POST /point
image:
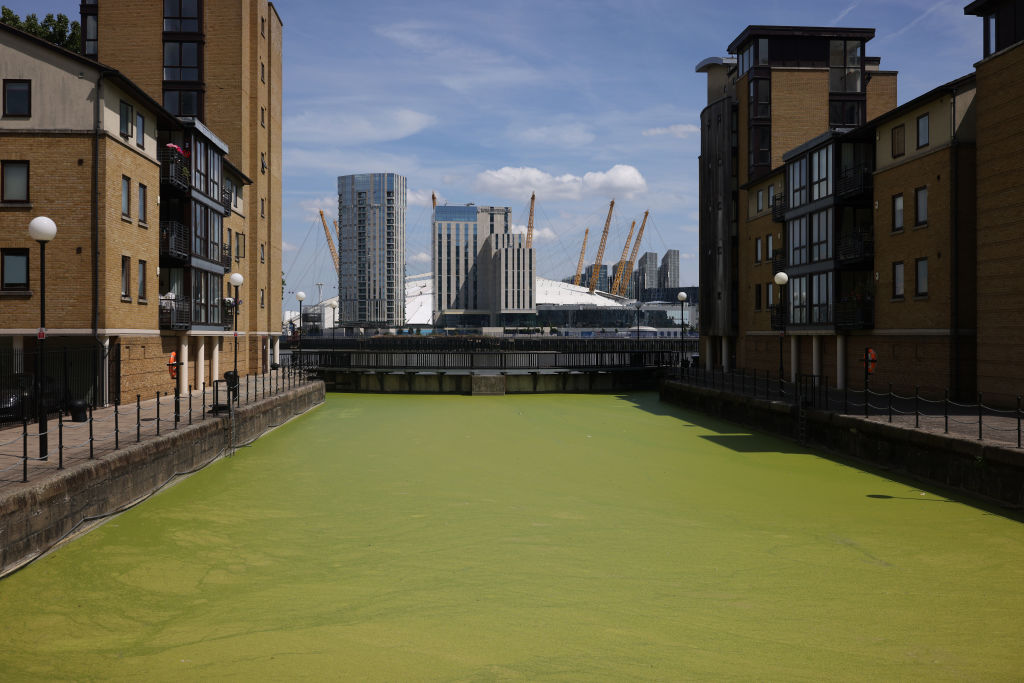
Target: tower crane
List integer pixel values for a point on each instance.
(600, 249)
(330, 240)
(583, 251)
(632, 257)
(621, 265)
(529, 227)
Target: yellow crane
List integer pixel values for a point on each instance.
(330, 240)
(632, 257)
(600, 249)
(621, 266)
(583, 251)
(529, 226)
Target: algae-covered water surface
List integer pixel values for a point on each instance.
(591, 537)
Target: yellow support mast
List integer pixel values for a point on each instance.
(600, 249)
(330, 241)
(583, 251)
(632, 257)
(621, 265)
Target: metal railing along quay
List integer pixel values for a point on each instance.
(489, 360)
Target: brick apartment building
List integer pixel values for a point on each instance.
(155, 203)
(892, 223)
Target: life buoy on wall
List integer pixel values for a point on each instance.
(172, 365)
(870, 359)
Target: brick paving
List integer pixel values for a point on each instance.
(134, 422)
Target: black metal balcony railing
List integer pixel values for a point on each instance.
(175, 313)
(854, 181)
(174, 168)
(855, 314)
(779, 208)
(778, 261)
(778, 316)
(856, 247)
(225, 256)
(174, 240)
(225, 200)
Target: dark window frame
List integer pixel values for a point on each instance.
(899, 142)
(757, 297)
(126, 277)
(15, 251)
(927, 132)
(903, 213)
(901, 281)
(26, 115)
(140, 130)
(28, 185)
(169, 76)
(141, 279)
(126, 197)
(170, 27)
(141, 194)
(917, 276)
(917, 206)
(127, 122)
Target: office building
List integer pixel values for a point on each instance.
(371, 272)
(603, 283)
(668, 272)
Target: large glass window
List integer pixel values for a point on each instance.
(922, 130)
(798, 300)
(90, 35)
(181, 61)
(844, 60)
(921, 281)
(199, 165)
(181, 16)
(921, 206)
(140, 130)
(821, 235)
(798, 183)
(17, 97)
(14, 269)
(14, 181)
(797, 241)
(899, 140)
(821, 173)
(821, 297)
(182, 102)
(127, 115)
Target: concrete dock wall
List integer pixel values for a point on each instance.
(33, 519)
(978, 468)
(491, 383)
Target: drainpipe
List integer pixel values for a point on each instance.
(954, 293)
(95, 230)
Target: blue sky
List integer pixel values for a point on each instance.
(581, 101)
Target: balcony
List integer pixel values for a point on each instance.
(779, 208)
(174, 240)
(778, 316)
(854, 181)
(778, 261)
(855, 314)
(174, 169)
(856, 248)
(225, 256)
(225, 200)
(175, 313)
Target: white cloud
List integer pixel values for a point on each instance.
(686, 256)
(539, 234)
(340, 127)
(287, 246)
(419, 257)
(563, 135)
(679, 130)
(620, 180)
(422, 197)
(311, 208)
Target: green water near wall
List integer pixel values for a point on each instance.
(585, 537)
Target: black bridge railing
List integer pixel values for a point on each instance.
(488, 360)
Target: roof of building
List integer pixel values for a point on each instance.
(799, 31)
(951, 86)
(979, 7)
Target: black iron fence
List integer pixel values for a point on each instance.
(94, 432)
(489, 360)
(911, 408)
(437, 343)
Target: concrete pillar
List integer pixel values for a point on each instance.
(183, 357)
(840, 361)
(794, 357)
(816, 355)
(215, 359)
(200, 361)
(708, 365)
(277, 349)
(725, 354)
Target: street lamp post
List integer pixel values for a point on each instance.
(42, 230)
(236, 280)
(301, 296)
(681, 296)
(781, 279)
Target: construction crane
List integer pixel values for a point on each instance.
(583, 251)
(529, 226)
(600, 249)
(632, 257)
(621, 266)
(330, 240)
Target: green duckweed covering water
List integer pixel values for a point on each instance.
(529, 537)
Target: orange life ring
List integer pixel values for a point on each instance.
(870, 359)
(172, 365)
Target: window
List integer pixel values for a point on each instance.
(821, 175)
(263, 117)
(757, 250)
(844, 60)
(17, 97)
(239, 246)
(90, 35)
(769, 295)
(921, 206)
(757, 297)
(797, 241)
(199, 163)
(181, 61)
(263, 26)
(922, 130)
(142, 203)
(897, 280)
(770, 251)
(126, 197)
(760, 201)
(821, 298)
(142, 281)
(263, 213)
(821, 235)
(227, 242)
(263, 162)
(798, 300)
(14, 269)
(261, 300)
(182, 102)
(140, 130)
(126, 119)
(263, 74)
(181, 16)
(921, 280)
(897, 212)
(899, 141)
(798, 183)
(126, 271)
(771, 195)
(262, 260)
(14, 181)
